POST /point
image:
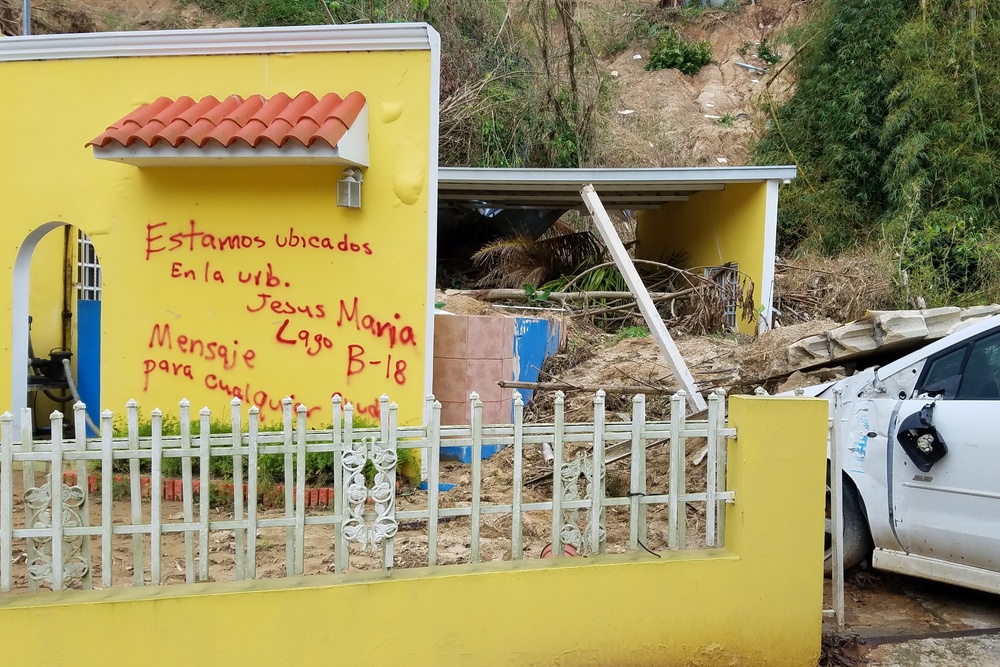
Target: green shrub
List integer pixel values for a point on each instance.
(674, 52)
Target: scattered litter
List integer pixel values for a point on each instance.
(721, 160)
(637, 56)
(614, 73)
(754, 80)
(752, 68)
(627, 112)
(709, 104)
(708, 115)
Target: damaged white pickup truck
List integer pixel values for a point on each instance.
(919, 441)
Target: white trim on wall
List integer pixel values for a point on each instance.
(20, 309)
(770, 247)
(432, 210)
(222, 41)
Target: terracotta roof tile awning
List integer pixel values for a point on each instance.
(236, 132)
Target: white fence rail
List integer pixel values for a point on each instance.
(58, 540)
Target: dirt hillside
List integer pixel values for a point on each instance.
(666, 118)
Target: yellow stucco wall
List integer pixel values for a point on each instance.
(272, 347)
(711, 228)
(758, 602)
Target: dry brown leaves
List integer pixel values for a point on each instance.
(841, 288)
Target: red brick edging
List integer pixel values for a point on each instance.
(173, 489)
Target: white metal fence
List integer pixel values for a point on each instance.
(58, 540)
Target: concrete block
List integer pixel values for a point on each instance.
(851, 339)
(939, 321)
(976, 312)
(898, 327)
(809, 352)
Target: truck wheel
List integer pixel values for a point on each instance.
(857, 537)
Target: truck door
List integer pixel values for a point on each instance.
(946, 457)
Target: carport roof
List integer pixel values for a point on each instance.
(618, 188)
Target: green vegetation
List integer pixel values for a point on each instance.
(520, 85)
(270, 467)
(894, 127)
(765, 53)
(631, 332)
(727, 120)
(675, 52)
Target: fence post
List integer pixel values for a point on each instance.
(252, 418)
(239, 532)
(135, 490)
(712, 464)
(6, 499)
(677, 516)
(28, 482)
(477, 472)
(286, 441)
(341, 552)
(516, 527)
(637, 490)
(597, 542)
(392, 444)
(557, 483)
(338, 479)
(188, 493)
(837, 509)
(300, 488)
(721, 471)
(433, 482)
(107, 497)
(155, 496)
(56, 494)
(205, 490)
(80, 435)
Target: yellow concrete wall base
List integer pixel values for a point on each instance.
(758, 602)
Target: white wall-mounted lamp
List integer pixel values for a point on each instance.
(349, 189)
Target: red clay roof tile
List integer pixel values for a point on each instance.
(233, 120)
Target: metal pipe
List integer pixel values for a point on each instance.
(26, 17)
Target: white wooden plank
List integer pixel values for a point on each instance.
(239, 532)
(433, 482)
(517, 518)
(477, 472)
(557, 461)
(676, 514)
(56, 489)
(80, 441)
(107, 498)
(711, 471)
(155, 497)
(637, 486)
(287, 440)
(6, 500)
(28, 482)
(135, 491)
(643, 300)
(338, 480)
(598, 545)
(188, 489)
(300, 489)
(204, 490)
(252, 418)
